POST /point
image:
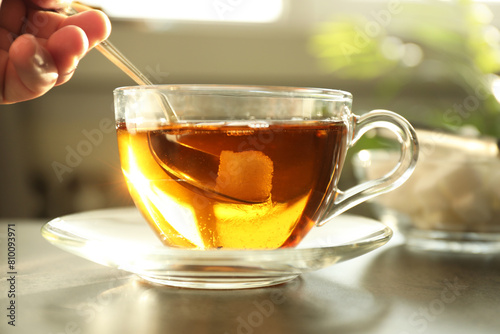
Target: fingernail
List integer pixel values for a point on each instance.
(44, 66)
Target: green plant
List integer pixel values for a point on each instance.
(442, 44)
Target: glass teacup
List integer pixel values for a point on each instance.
(245, 167)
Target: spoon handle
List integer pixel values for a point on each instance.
(116, 57)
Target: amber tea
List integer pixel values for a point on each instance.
(245, 167)
(254, 185)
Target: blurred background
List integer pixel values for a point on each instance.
(434, 62)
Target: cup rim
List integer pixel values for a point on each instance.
(244, 90)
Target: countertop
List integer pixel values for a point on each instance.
(390, 290)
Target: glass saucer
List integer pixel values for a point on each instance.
(120, 238)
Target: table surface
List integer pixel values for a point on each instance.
(390, 290)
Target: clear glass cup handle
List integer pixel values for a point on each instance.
(407, 139)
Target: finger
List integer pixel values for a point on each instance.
(94, 23)
(42, 23)
(51, 4)
(67, 46)
(30, 72)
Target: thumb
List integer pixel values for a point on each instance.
(32, 71)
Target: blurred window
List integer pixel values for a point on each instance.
(247, 11)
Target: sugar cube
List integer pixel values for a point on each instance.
(245, 175)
